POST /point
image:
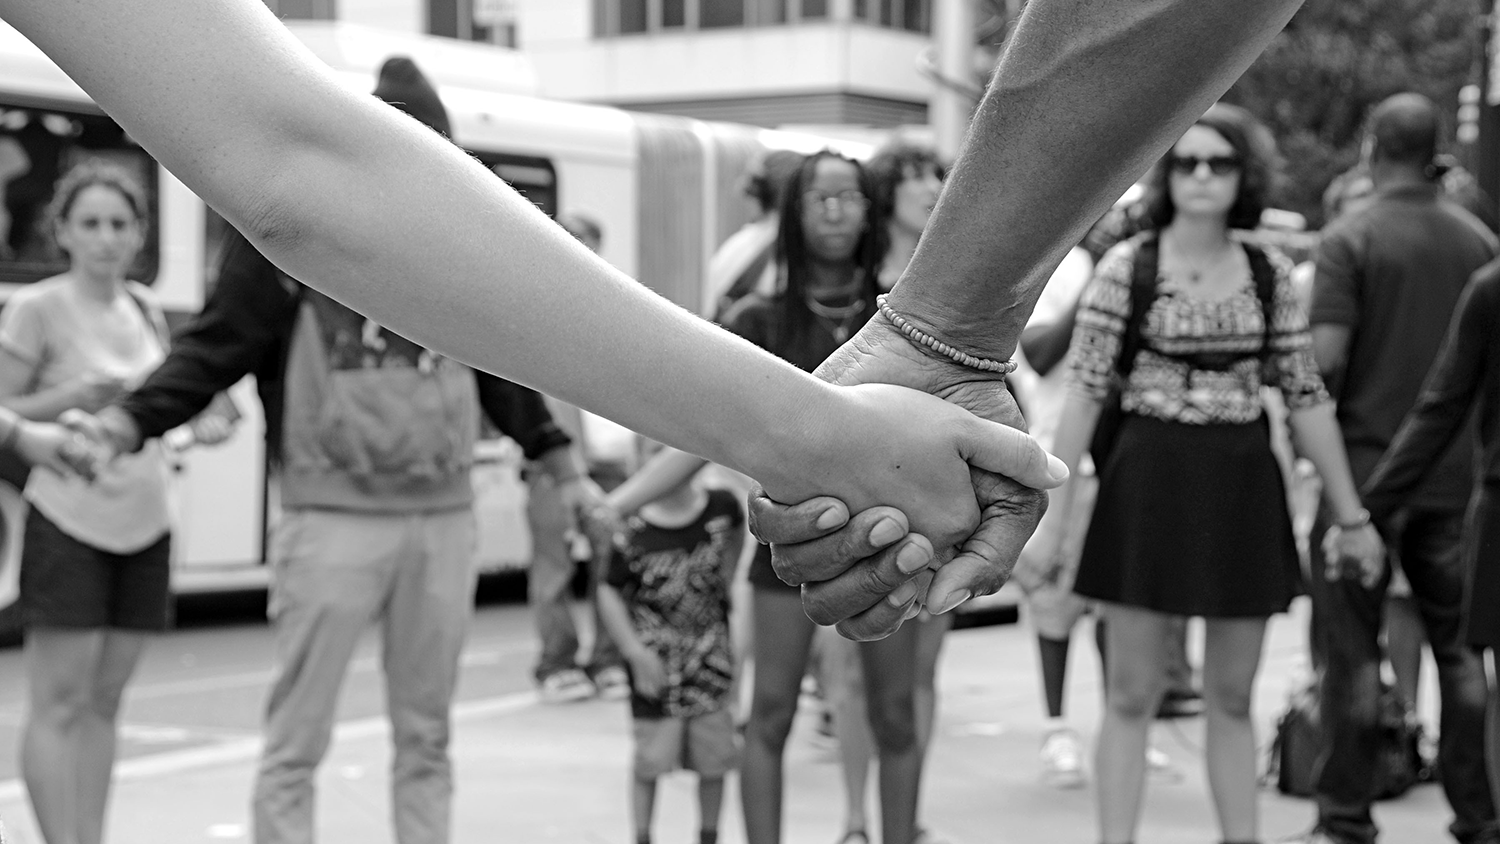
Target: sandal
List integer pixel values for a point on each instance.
(927, 836)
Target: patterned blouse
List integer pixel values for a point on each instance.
(1164, 384)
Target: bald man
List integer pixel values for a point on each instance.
(1388, 279)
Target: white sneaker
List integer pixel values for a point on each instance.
(564, 686)
(612, 683)
(1159, 766)
(1062, 759)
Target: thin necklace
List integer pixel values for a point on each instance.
(1194, 269)
(838, 318)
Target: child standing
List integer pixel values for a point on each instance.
(665, 600)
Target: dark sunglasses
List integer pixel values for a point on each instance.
(1219, 165)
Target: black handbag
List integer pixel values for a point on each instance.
(1292, 764)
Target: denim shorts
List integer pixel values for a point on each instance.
(67, 583)
(706, 744)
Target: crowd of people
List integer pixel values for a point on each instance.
(1169, 361)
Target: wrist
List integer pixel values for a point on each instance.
(121, 428)
(970, 330)
(1354, 520)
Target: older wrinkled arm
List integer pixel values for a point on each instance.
(1086, 96)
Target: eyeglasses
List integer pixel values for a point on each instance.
(1219, 165)
(849, 201)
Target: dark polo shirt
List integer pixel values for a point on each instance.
(1393, 274)
(1465, 377)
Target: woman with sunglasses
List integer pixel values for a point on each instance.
(1191, 516)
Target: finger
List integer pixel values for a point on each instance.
(774, 522)
(867, 582)
(985, 560)
(1013, 453)
(887, 615)
(868, 533)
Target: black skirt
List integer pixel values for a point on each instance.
(1482, 558)
(1191, 520)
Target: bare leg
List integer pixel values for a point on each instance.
(99, 729)
(60, 665)
(710, 803)
(782, 638)
(930, 635)
(845, 684)
(1232, 648)
(890, 693)
(1136, 679)
(642, 805)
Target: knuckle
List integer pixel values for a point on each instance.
(787, 566)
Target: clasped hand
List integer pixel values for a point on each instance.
(870, 572)
(1354, 554)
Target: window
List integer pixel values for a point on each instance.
(626, 17)
(37, 146)
(471, 20)
(532, 177)
(913, 15)
(716, 13)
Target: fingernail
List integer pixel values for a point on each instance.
(912, 612)
(953, 601)
(912, 558)
(885, 532)
(1056, 468)
(830, 519)
(901, 594)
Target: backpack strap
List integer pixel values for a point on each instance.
(153, 318)
(1142, 294)
(1264, 275)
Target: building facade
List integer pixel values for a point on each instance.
(760, 62)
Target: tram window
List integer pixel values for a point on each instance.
(37, 146)
(533, 177)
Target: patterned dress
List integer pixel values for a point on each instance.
(1191, 517)
(676, 584)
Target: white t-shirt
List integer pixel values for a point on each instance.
(124, 509)
(735, 255)
(1041, 396)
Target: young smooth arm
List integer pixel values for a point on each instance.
(351, 197)
(1030, 179)
(646, 672)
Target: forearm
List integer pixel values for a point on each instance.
(1086, 97)
(616, 618)
(664, 472)
(43, 405)
(564, 464)
(1079, 418)
(1315, 433)
(295, 173)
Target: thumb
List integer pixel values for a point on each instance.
(1011, 453)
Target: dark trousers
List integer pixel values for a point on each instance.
(1346, 628)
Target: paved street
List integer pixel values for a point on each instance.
(529, 772)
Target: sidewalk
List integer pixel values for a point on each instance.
(529, 773)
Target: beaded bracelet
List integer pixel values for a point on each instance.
(917, 335)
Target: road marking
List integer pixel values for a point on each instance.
(246, 749)
(483, 656)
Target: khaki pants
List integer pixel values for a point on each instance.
(335, 573)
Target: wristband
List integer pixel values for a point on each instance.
(1360, 520)
(918, 336)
